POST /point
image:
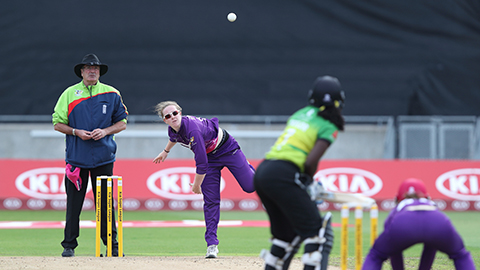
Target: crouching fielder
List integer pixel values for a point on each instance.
(281, 179)
(416, 219)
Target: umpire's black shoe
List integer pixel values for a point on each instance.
(69, 252)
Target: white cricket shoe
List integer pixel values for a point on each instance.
(212, 251)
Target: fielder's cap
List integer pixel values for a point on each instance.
(412, 186)
(91, 60)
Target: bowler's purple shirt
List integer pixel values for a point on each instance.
(199, 135)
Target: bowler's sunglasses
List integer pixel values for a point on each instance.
(169, 115)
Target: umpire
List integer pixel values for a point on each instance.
(281, 179)
(88, 113)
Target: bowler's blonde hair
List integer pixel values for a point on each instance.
(162, 105)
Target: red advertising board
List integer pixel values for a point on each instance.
(38, 184)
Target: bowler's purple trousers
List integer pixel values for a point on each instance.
(412, 226)
(228, 155)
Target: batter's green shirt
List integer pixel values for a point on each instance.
(303, 129)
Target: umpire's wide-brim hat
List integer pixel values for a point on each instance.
(91, 60)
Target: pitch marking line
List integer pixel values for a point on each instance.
(131, 224)
(135, 224)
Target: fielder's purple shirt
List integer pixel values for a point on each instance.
(416, 221)
(199, 135)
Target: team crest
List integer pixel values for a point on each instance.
(327, 98)
(78, 93)
(192, 141)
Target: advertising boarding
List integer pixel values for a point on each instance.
(39, 184)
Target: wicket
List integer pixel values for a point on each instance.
(358, 233)
(98, 214)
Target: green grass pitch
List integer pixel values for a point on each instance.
(234, 241)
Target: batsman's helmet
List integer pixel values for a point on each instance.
(327, 92)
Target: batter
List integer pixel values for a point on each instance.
(281, 179)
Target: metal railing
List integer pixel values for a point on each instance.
(405, 137)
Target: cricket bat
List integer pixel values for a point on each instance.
(349, 198)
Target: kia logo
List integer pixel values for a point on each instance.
(36, 204)
(131, 204)
(248, 205)
(12, 203)
(388, 204)
(174, 183)
(42, 183)
(476, 205)
(460, 205)
(461, 184)
(226, 205)
(441, 204)
(197, 205)
(350, 180)
(154, 204)
(177, 205)
(58, 204)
